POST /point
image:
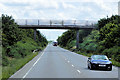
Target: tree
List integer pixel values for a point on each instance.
(70, 35)
(113, 19)
(110, 35)
(66, 37)
(11, 33)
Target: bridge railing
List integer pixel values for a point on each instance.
(55, 22)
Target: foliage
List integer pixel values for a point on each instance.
(110, 35)
(66, 37)
(11, 33)
(13, 66)
(72, 44)
(105, 40)
(113, 19)
(18, 43)
(5, 61)
(113, 52)
(70, 35)
(90, 42)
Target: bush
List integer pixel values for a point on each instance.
(71, 44)
(110, 35)
(14, 53)
(91, 47)
(113, 52)
(90, 42)
(5, 61)
(21, 49)
(11, 33)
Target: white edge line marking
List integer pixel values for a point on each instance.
(33, 65)
(27, 72)
(78, 71)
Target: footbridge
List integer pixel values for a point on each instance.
(56, 24)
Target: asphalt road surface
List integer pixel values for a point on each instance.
(56, 62)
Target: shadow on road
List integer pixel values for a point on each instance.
(96, 69)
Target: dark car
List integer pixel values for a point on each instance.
(54, 43)
(99, 61)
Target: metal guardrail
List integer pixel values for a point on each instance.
(65, 23)
(53, 22)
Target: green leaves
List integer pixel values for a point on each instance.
(11, 33)
(66, 37)
(110, 33)
(70, 35)
(18, 43)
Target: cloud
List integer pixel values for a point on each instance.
(59, 10)
(52, 34)
(67, 6)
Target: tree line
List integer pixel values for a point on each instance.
(18, 43)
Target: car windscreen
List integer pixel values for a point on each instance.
(100, 57)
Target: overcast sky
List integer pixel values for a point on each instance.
(59, 10)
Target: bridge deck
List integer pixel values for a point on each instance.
(55, 27)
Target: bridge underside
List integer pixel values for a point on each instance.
(54, 27)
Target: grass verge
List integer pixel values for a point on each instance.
(0, 72)
(15, 65)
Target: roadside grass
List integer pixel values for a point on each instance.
(15, 65)
(85, 54)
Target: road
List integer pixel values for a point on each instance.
(56, 62)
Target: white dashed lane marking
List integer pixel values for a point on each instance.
(72, 65)
(78, 71)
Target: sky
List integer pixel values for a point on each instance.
(59, 10)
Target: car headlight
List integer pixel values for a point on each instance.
(108, 62)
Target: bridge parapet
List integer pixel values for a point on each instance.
(42, 23)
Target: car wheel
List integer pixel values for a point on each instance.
(91, 67)
(88, 67)
(109, 69)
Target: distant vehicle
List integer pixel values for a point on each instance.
(54, 43)
(99, 61)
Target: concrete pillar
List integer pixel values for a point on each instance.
(38, 22)
(25, 22)
(62, 22)
(77, 39)
(35, 34)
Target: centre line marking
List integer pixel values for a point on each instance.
(78, 71)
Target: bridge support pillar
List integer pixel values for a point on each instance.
(77, 39)
(35, 34)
